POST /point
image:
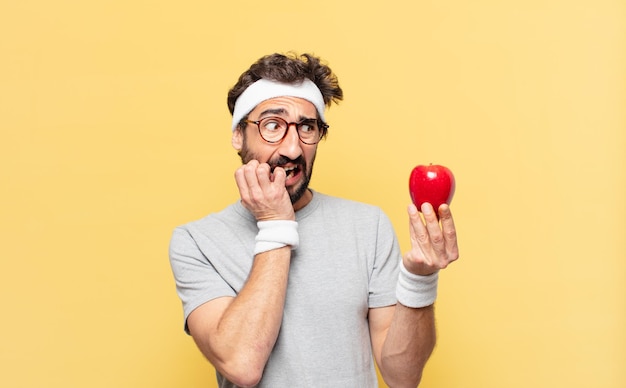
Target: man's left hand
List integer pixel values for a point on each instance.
(433, 240)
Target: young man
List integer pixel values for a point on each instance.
(289, 287)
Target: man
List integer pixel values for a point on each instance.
(289, 287)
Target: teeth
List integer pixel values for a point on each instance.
(289, 171)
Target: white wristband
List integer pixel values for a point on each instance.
(276, 234)
(416, 291)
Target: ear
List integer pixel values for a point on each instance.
(237, 139)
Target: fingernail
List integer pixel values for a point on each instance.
(427, 208)
(412, 209)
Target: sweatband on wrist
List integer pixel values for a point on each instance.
(416, 291)
(276, 234)
(264, 89)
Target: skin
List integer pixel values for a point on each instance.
(238, 334)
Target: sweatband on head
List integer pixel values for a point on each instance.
(265, 89)
(416, 291)
(276, 234)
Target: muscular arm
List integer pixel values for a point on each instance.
(238, 334)
(406, 339)
(403, 338)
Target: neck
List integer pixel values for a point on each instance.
(303, 201)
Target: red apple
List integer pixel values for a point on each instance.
(433, 184)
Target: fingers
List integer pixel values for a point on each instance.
(253, 179)
(259, 174)
(259, 178)
(242, 183)
(433, 238)
(449, 231)
(279, 176)
(435, 234)
(262, 192)
(419, 233)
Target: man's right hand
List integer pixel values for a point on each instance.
(264, 194)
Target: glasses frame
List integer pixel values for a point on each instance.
(323, 127)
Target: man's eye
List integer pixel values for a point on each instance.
(271, 125)
(307, 126)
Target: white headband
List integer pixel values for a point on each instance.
(265, 89)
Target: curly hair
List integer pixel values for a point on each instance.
(289, 68)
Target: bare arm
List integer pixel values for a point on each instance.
(237, 334)
(403, 338)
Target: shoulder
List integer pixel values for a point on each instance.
(233, 214)
(229, 224)
(344, 204)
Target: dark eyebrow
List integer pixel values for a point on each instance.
(282, 112)
(275, 111)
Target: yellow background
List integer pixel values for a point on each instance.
(114, 129)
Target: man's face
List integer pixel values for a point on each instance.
(291, 154)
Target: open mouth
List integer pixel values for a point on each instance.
(290, 171)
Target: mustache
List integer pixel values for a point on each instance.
(283, 160)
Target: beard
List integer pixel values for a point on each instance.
(295, 192)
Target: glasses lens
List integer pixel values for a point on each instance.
(273, 130)
(308, 130)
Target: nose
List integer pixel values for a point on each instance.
(291, 145)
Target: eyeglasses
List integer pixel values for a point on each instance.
(274, 129)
